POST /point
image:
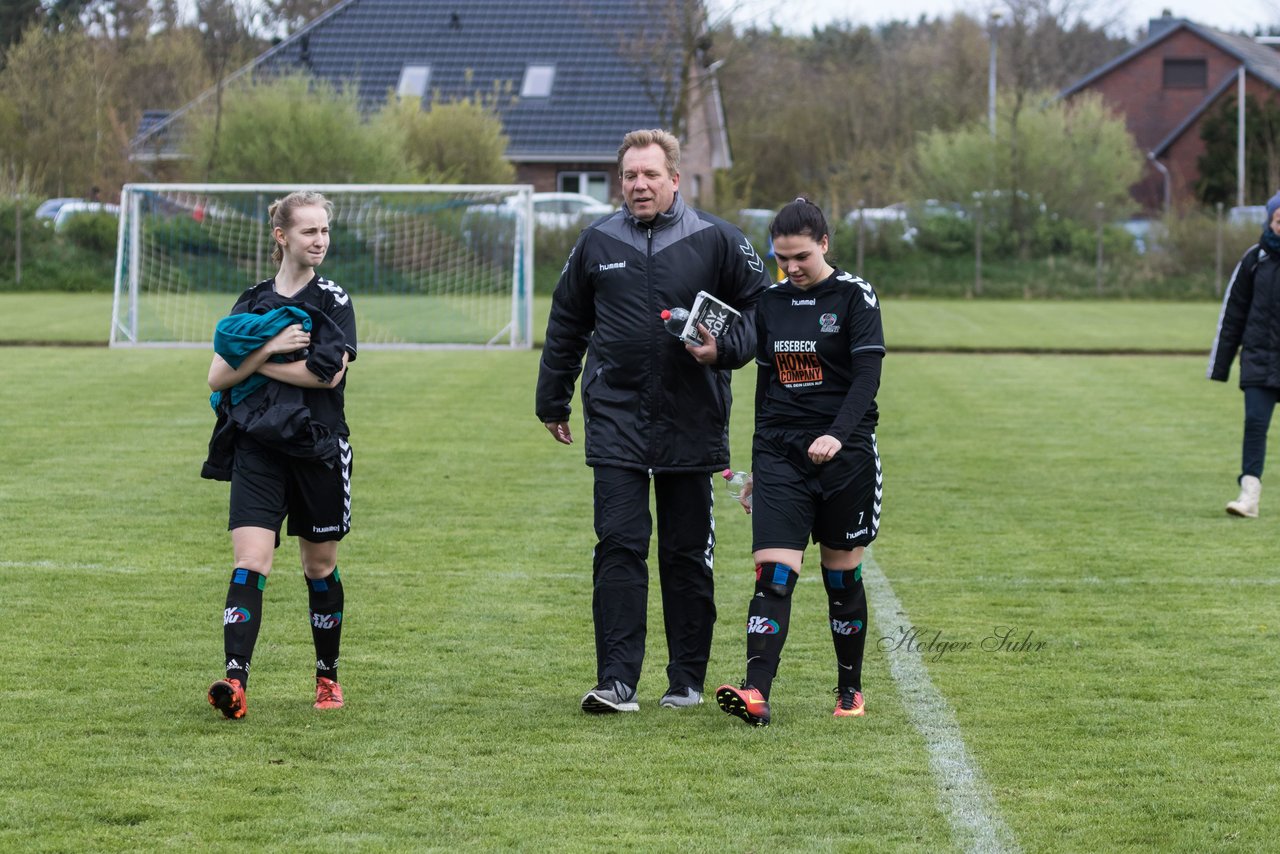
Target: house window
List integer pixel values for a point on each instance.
(594, 184)
(537, 81)
(413, 81)
(1185, 74)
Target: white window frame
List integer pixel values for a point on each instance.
(584, 182)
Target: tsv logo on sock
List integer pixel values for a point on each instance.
(326, 621)
(761, 626)
(235, 615)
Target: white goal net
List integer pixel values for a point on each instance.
(427, 265)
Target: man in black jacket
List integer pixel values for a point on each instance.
(654, 408)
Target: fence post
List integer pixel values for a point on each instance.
(977, 248)
(862, 233)
(17, 239)
(1217, 256)
(1100, 208)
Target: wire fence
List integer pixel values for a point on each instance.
(928, 250)
(973, 251)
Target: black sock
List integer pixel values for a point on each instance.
(847, 601)
(325, 599)
(241, 620)
(767, 622)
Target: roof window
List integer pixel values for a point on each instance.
(413, 81)
(538, 80)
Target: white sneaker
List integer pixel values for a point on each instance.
(1247, 504)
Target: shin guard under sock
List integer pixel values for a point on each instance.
(847, 601)
(325, 601)
(767, 622)
(241, 620)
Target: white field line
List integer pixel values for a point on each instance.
(975, 820)
(1095, 581)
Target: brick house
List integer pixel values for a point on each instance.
(1166, 86)
(579, 74)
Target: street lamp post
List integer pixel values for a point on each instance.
(993, 26)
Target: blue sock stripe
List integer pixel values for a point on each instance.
(841, 579)
(320, 585)
(249, 578)
(781, 573)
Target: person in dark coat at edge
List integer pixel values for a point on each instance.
(1250, 323)
(655, 409)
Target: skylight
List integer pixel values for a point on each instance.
(538, 80)
(413, 81)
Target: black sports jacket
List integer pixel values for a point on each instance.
(1250, 322)
(647, 403)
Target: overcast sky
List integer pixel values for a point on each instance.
(1121, 17)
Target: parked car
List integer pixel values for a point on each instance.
(893, 213)
(896, 216)
(567, 210)
(755, 223)
(487, 229)
(49, 208)
(1146, 233)
(80, 207)
(1248, 215)
(550, 210)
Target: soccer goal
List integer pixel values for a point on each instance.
(428, 265)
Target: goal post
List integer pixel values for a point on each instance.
(428, 265)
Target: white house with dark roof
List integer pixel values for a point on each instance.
(577, 75)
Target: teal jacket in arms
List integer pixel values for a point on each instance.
(238, 335)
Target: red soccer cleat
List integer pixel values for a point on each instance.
(745, 702)
(328, 694)
(849, 703)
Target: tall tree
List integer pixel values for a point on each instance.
(1045, 45)
(224, 30)
(1070, 156)
(1217, 166)
(15, 17)
(291, 15)
(61, 87)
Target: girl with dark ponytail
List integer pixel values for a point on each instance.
(815, 466)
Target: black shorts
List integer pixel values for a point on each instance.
(267, 485)
(793, 501)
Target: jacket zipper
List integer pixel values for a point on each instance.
(655, 373)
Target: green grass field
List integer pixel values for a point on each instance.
(911, 323)
(1073, 499)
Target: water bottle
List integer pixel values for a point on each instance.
(674, 319)
(736, 481)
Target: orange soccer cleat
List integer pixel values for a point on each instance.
(227, 696)
(745, 702)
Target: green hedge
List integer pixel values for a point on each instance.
(80, 258)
